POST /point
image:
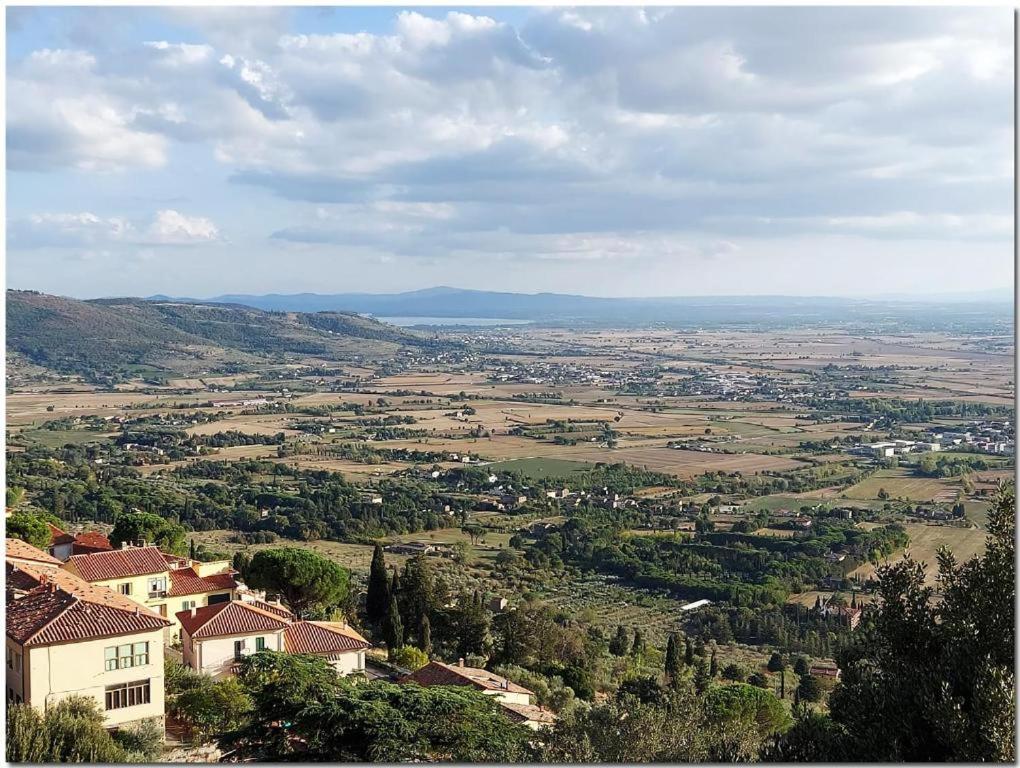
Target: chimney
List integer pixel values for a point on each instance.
(194, 611)
(460, 662)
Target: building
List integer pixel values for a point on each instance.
(165, 583)
(695, 605)
(516, 700)
(882, 450)
(20, 552)
(90, 541)
(61, 543)
(67, 637)
(215, 638)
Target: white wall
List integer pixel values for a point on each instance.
(55, 672)
(215, 655)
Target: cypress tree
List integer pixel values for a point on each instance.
(393, 628)
(688, 652)
(377, 599)
(425, 635)
(620, 643)
(638, 648)
(713, 667)
(672, 660)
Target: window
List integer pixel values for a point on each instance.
(238, 649)
(187, 605)
(160, 609)
(213, 599)
(10, 658)
(260, 643)
(127, 694)
(157, 586)
(127, 656)
(125, 588)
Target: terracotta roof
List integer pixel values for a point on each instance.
(322, 637)
(58, 536)
(185, 581)
(89, 542)
(232, 618)
(273, 608)
(118, 563)
(63, 608)
(19, 579)
(438, 673)
(22, 550)
(521, 712)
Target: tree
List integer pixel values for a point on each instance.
(800, 666)
(145, 526)
(926, 680)
(713, 667)
(620, 644)
(673, 663)
(637, 649)
(377, 598)
(304, 579)
(702, 678)
(409, 657)
(393, 628)
(734, 672)
(207, 706)
(386, 722)
(809, 689)
(776, 663)
(14, 496)
(742, 719)
(758, 680)
(418, 591)
(30, 529)
(425, 636)
(688, 652)
(72, 731)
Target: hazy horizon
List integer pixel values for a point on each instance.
(851, 152)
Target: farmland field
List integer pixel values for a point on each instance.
(900, 483)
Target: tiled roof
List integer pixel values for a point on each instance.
(273, 608)
(521, 712)
(22, 550)
(63, 608)
(185, 581)
(322, 637)
(58, 536)
(118, 563)
(232, 618)
(438, 673)
(19, 579)
(89, 542)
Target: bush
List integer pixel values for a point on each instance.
(810, 689)
(758, 680)
(734, 672)
(410, 658)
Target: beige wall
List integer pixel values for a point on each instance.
(348, 663)
(55, 672)
(215, 655)
(510, 697)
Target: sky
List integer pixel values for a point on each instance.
(602, 151)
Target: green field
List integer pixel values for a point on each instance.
(901, 484)
(58, 438)
(540, 468)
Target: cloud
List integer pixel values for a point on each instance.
(86, 230)
(564, 137)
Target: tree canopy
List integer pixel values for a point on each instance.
(302, 578)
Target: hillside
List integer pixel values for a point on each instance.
(105, 338)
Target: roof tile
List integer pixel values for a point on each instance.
(232, 618)
(322, 637)
(118, 563)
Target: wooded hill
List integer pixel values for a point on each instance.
(104, 338)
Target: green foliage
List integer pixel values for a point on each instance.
(927, 680)
(304, 579)
(673, 664)
(204, 705)
(137, 526)
(809, 689)
(72, 731)
(620, 644)
(743, 718)
(776, 663)
(734, 672)
(377, 599)
(393, 627)
(29, 528)
(409, 657)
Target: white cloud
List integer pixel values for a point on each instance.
(79, 230)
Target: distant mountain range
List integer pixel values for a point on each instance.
(449, 302)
